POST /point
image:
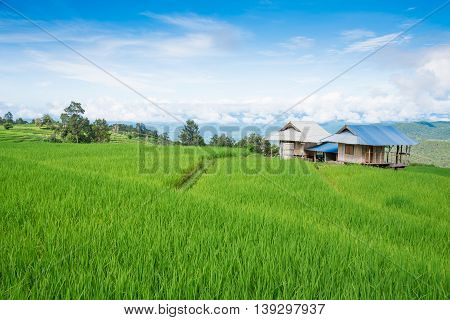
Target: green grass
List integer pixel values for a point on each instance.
(434, 152)
(23, 133)
(29, 132)
(121, 138)
(106, 221)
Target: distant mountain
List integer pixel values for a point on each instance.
(424, 130)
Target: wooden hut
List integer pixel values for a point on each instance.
(295, 137)
(376, 145)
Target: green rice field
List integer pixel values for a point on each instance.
(129, 220)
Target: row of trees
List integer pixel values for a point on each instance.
(190, 135)
(255, 143)
(152, 135)
(8, 121)
(45, 121)
(73, 126)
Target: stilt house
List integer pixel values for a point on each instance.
(377, 145)
(295, 137)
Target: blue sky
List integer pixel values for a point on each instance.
(227, 62)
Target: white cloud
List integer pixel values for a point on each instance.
(430, 81)
(205, 33)
(413, 94)
(273, 53)
(298, 42)
(197, 37)
(288, 48)
(162, 66)
(356, 34)
(190, 21)
(306, 59)
(421, 93)
(190, 45)
(19, 110)
(376, 42)
(19, 31)
(84, 71)
(408, 23)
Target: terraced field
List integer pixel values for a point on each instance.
(110, 221)
(29, 132)
(22, 133)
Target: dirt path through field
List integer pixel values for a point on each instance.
(189, 179)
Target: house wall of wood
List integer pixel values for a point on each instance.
(374, 154)
(289, 149)
(300, 148)
(360, 154)
(356, 157)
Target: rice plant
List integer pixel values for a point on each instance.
(106, 221)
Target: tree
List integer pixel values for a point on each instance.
(142, 131)
(47, 120)
(221, 141)
(242, 143)
(38, 122)
(100, 131)
(190, 135)
(9, 117)
(214, 140)
(1, 120)
(8, 121)
(153, 136)
(75, 127)
(256, 143)
(268, 149)
(164, 138)
(20, 121)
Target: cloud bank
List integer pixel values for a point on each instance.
(210, 70)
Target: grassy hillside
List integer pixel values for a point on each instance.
(434, 142)
(29, 132)
(22, 133)
(423, 130)
(105, 221)
(435, 152)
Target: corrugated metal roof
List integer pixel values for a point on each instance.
(344, 137)
(325, 147)
(287, 135)
(372, 135)
(301, 131)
